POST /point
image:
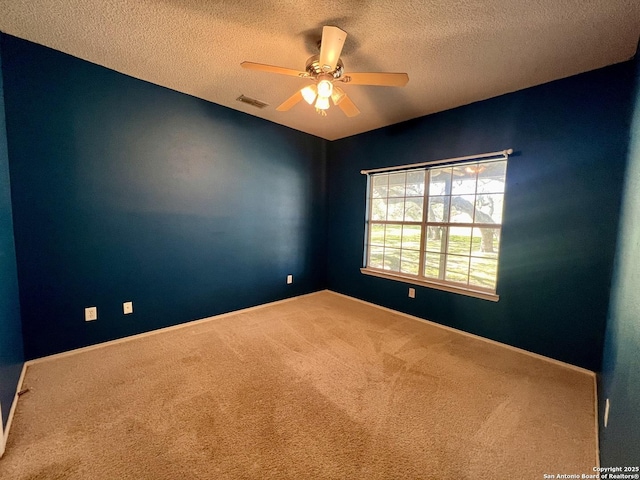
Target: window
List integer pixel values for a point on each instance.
(438, 226)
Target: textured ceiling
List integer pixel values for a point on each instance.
(455, 52)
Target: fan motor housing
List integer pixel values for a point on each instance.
(314, 69)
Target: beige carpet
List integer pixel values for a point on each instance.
(318, 387)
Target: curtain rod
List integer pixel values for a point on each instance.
(501, 153)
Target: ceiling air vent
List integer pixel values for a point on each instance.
(252, 101)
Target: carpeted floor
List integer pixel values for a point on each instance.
(318, 387)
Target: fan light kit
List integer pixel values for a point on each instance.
(325, 70)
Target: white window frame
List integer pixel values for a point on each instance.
(420, 279)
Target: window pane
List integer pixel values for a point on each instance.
(415, 183)
(411, 237)
(393, 235)
(434, 265)
(375, 257)
(461, 224)
(438, 209)
(457, 269)
(410, 256)
(440, 181)
(410, 268)
(462, 208)
(395, 209)
(379, 209)
(436, 239)
(459, 240)
(379, 185)
(410, 262)
(377, 234)
(396, 184)
(484, 272)
(464, 180)
(413, 209)
(392, 259)
(486, 242)
(491, 177)
(489, 208)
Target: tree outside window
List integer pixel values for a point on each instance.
(439, 224)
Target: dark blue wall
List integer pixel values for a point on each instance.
(123, 190)
(561, 210)
(11, 354)
(620, 379)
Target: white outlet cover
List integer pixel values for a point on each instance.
(90, 314)
(289, 279)
(127, 308)
(606, 413)
(412, 293)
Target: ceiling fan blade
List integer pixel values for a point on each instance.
(290, 102)
(273, 69)
(331, 47)
(380, 79)
(348, 107)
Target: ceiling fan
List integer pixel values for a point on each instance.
(326, 70)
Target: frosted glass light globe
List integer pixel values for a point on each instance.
(325, 88)
(322, 103)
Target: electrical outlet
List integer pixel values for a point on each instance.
(90, 314)
(606, 413)
(289, 279)
(412, 293)
(127, 308)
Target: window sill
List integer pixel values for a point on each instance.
(425, 283)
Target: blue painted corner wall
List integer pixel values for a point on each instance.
(620, 377)
(560, 220)
(127, 191)
(11, 347)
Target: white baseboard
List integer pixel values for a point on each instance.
(257, 307)
(162, 330)
(14, 405)
(510, 347)
(4, 435)
(477, 337)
